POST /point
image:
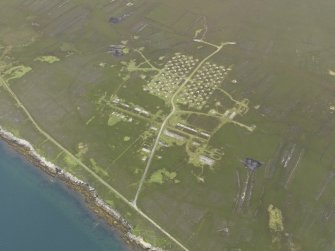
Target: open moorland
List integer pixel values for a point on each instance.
(209, 125)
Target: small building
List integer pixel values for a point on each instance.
(116, 50)
(145, 150)
(206, 160)
(115, 20)
(173, 135)
(119, 19)
(251, 164)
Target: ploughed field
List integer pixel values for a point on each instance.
(209, 125)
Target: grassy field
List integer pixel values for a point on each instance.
(157, 103)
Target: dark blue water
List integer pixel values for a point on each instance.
(40, 214)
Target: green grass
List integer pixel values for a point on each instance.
(161, 175)
(47, 59)
(113, 120)
(16, 72)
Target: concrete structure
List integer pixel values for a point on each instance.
(251, 164)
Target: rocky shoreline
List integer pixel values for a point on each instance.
(94, 203)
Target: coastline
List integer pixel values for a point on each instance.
(91, 198)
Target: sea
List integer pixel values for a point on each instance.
(38, 213)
